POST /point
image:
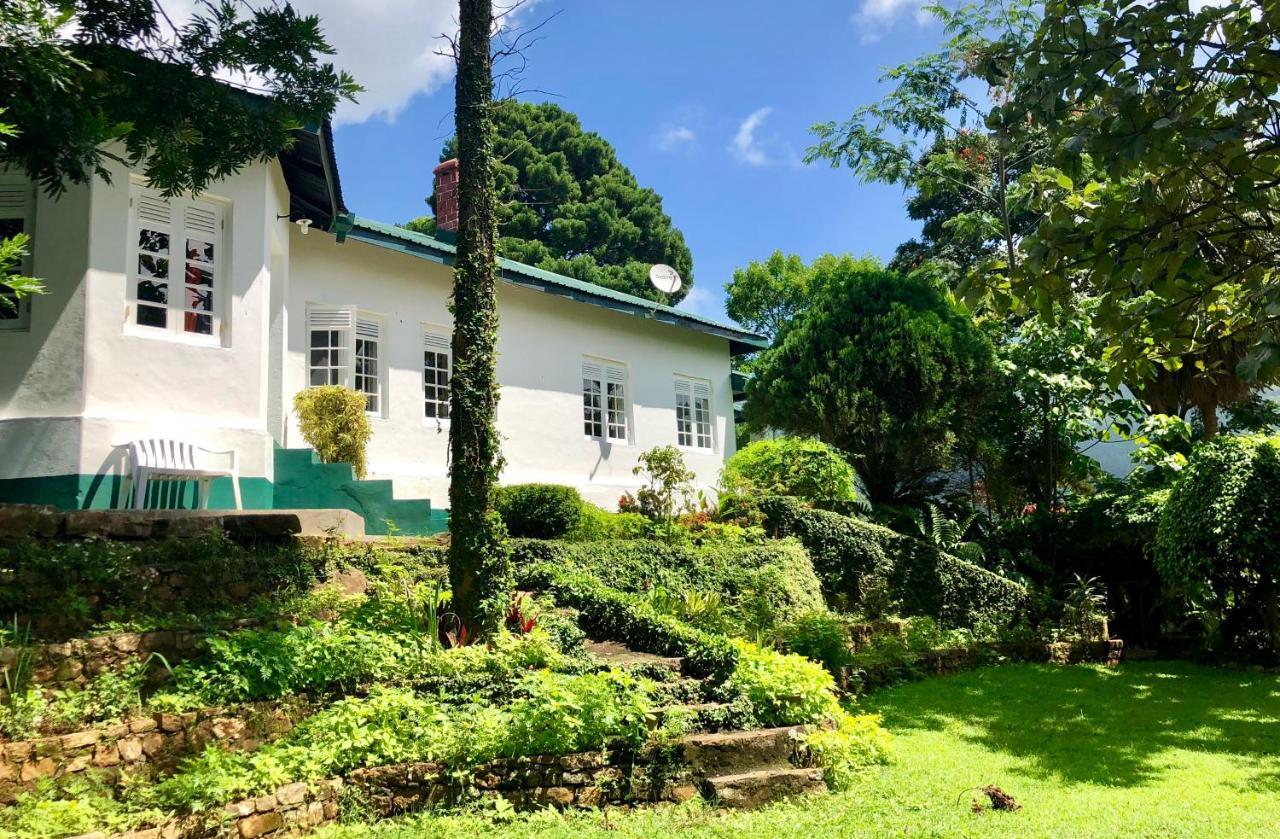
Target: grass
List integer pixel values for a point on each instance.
(1147, 750)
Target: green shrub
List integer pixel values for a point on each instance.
(551, 713)
(782, 689)
(793, 466)
(609, 614)
(597, 525)
(777, 575)
(63, 588)
(539, 511)
(1219, 539)
(861, 565)
(333, 421)
(820, 636)
(843, 749)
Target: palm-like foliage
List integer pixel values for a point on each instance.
(948, 533)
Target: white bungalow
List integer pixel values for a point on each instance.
(198, 318)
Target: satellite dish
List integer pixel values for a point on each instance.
(665, 278)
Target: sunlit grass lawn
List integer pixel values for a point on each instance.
(1161, 749)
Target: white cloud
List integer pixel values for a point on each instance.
(702, 301)
(389, 46)
(878, 16)
(746, 147)
(670, 137)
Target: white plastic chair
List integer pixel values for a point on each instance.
(156, 459)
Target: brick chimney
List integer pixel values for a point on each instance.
(446, 189)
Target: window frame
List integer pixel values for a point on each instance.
(695, 389)
(180, 228)
(607, 375)
(352, 327)
(25, 211)
(437, 339)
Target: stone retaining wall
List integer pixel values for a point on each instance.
(577, 780)
(154, 742)
(71, 664)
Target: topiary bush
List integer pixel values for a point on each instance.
(333, 421)
(791, 466)
(597, 525)
(1218, 541)
(871, 568)
(776, 577)
(539, 511)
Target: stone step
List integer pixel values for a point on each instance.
(618, 655)
(762, 786)
(736, 752)
(698, 713)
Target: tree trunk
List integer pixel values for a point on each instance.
(478, 568)
(1209, 416)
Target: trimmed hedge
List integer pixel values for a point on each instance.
(63, 588)
(780, 573)
(607, 613)
(852, 557)
(538, 511)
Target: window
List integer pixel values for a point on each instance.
(368, 336)
(17, 214)
(693, 413)
(344, 347)
(175, 263)
(435, 375)
(604, 400)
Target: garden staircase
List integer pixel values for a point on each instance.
(303, 482)
(738, 769)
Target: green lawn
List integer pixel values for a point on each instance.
(1161, 749)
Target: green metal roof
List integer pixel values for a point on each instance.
(517, 273)
(311, 171)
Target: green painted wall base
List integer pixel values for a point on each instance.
(302, 483)
(102, 492)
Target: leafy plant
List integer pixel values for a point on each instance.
(819, 636)
(948, 533)
(1085, 606)
(669, 486)
(808, 469)
(538, 511)
(333, 421)
(782, 689)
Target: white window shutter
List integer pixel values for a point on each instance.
(593, 371)
(435, 341)
(13, 199)
(702, 389)
(153, 211)
(371, 329)
(202, 220)
(682, 387)
(331, 317)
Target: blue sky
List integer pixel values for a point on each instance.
(709, 103)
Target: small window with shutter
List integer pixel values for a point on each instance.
(176, 264)
(345, 347)
(604, 400)
(17, 215)
(436, 352)
(693, 413)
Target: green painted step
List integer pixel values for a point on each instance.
(303, 482)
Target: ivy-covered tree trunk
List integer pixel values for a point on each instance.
(479, 571)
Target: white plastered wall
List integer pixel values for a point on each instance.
(140, 383)
(541, 344)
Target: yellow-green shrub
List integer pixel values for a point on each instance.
(333, 421)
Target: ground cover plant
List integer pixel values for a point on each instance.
(1152, 749)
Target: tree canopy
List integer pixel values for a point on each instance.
(568, 205)
(766, 295)
(88, 81)
(881, 366)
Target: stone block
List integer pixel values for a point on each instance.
(142, 725)
(18, 521)
(126, 642)
(152, 743)
(48, 747)
(241, 808)
(116, 731)
(80, 739)
(20, 751)
(33, 770)
(292, 793)
(170, 722)
(265, 803)
(260, 824)
(590, 797)
(130, 749)
(106, 755)
(79, 763)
